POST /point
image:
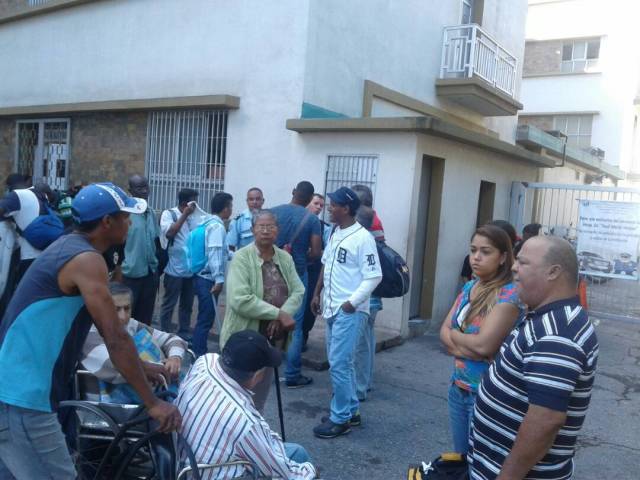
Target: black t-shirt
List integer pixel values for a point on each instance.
(114, 257)
(466, 272)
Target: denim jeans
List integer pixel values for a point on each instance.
(461, 404)
(294, 351)
(296, 452)
(32, 445)
(343, 331)
(206, 314)
(177, 288)
(365, 355)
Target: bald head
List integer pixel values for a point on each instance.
(546, 270)
(139, 186)
(560, 252)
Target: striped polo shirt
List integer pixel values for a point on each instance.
(221, 424)
(548, 360)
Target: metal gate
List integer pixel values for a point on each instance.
(42, 151)
(556, 207)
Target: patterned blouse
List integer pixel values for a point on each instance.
(468, 373)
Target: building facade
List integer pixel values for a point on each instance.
(580, 82)
(416, 99)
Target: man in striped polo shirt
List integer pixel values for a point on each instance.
(221, 423)
(533, 400)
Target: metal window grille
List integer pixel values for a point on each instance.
(556, 208)
(36, 3)
(185, 149)
(349, 170)
(42, 151)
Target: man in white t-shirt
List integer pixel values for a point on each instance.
(350, 272)
(175, 226)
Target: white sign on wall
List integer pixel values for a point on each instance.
(608, 238)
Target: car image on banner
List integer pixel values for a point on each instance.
(608, 240)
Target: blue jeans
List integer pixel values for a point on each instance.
(206, 315)
(461, 404)
(32, 444)
(343, 331)
(296, 452)
(294, 351)
(177, 288)
(365, 355)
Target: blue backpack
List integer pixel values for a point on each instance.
(195, 248)
(44, 230)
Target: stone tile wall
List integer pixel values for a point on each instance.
(107, 147)
(542, 57)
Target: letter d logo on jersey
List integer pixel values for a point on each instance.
(342, 255)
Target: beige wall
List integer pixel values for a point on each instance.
(107, 147)
(542, 57)
(543, 122)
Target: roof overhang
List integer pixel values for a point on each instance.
(198, 101)
(426, 125)
(533, 137)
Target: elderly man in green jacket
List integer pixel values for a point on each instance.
(263, 293)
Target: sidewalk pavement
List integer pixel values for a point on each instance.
(405, 420)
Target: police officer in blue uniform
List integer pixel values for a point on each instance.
(240, 233)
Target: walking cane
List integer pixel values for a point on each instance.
(279, 396)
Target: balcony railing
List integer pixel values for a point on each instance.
(469, 51)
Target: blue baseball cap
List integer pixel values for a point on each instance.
(99, 199)
(346, 197)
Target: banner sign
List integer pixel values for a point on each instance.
(608, 239)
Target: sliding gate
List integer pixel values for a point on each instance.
(556, 208)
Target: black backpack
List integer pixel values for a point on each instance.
(395, 273)
(441, 468)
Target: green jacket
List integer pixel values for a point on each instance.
(244, 305)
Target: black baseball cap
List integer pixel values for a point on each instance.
(346, 197)
(249, 351)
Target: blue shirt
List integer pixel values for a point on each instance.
(140, 250)
(43, 331)
(296, 221)
(548, 360)
(217, 250)
(240, 232)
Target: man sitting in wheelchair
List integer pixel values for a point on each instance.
(161, 353)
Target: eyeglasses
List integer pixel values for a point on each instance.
(266, 228)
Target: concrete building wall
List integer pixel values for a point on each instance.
(398, 46)
(610, 91)
(465, 168)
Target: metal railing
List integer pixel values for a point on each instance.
(468, 51)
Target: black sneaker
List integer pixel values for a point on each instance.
(355, 420)
(329, 429)
(300, 382)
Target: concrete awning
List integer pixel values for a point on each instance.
(427, 125)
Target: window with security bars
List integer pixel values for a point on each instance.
(42, 151)
(185, 149)
(349, 170)
(35, 3)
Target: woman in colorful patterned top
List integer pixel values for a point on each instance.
(481, 317)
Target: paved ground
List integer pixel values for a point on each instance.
(405, 419)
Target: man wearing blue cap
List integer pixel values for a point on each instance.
(47, 321)
(350, 272)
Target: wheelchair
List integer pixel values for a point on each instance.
(119, 441)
